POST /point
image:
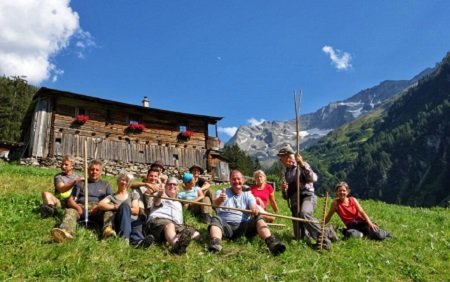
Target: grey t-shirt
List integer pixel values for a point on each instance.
(242, 201)
(97, 191)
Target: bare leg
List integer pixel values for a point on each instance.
(49, 199)
(262, 229)
(170, 233)
(215, 232)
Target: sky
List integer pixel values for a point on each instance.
(237, 59)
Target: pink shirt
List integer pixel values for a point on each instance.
(263, 194)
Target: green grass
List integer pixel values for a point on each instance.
(419, 251)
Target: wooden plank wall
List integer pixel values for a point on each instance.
(40, 128)
(107, 149)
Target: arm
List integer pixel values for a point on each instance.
(273, 202)
(372, 226)
(200, 195)
(205, 186)
(330, 212)
(157, 199)
(72, 204)
(135, 207)
(107, 205)
(62, 187)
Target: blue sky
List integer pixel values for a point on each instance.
(237, 59)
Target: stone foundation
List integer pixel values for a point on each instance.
(111, 168)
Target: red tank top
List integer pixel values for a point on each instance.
(348, 213)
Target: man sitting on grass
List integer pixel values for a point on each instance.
(233, 224)
(98, 190)
(166, 219)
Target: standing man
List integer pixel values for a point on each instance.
(308, 199)
(233, 224)
(98, 190)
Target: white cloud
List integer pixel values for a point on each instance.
(228, 130)
(32, 33)
(254, 121)
(341, 60)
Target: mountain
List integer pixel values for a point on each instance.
(263, 141)
(399, 153)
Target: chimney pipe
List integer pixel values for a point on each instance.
(145, 102)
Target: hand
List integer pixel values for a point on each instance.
(299, 159)
(94, 210)
(373, 227)
(255, 210)
(79, 211)
(161, 191)
(223, 196)
(284, 186)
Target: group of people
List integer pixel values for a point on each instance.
(152, 210)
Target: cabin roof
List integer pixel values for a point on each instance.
(43, 91)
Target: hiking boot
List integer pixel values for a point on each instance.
(215, 246)
(325, 246)
(47, 211)
(108, 231)
(275, 246)
(144, 243)
(205, 218)
(185, 238)
(60, 235)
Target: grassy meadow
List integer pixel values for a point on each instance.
(419, 251)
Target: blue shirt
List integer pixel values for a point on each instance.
(242, 201)
(189, 195)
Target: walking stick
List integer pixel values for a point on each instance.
(322, 222)
(236, 209)
(86, 189)
(297, 230)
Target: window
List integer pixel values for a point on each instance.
(183, 128)
(80, 111)
(133, 118)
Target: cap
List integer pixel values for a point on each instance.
(286, 150)
(196, 166)
(187, 177)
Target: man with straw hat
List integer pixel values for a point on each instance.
(98, 190)
(308, 199)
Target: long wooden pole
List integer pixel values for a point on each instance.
(86, 189)
(236, 209)
(297, 230)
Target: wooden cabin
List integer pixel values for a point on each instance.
(115, 131)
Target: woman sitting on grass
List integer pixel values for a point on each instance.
(121, 211)
(357, 222)
(264, 193)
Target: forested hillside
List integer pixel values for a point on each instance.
(399, 153)
(15, 98)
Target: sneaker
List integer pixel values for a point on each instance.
(144, 243)
(215, 246)
(275, 246)
(60, 235)
(185, 238)
(47, 211)
(205, 218)
(108, 231)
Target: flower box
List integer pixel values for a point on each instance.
(136, 127)
(81, 119)
(185, 135)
